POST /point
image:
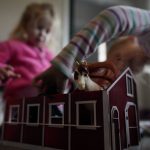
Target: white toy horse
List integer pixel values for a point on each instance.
(83, 81)
(95, 76)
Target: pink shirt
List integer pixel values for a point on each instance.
(28, 61)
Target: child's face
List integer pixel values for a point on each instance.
(39, 30)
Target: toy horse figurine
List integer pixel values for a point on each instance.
(95, 76)
(81, 76)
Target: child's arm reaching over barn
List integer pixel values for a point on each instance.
(111, 23)
(127, 52)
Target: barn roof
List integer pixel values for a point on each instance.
(119, 77)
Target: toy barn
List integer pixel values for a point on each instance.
(90, 120)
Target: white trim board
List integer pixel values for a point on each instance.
(118, 78)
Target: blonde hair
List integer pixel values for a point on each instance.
(31, 13)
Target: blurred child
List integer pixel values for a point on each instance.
(25, 54)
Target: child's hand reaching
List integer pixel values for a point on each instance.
(8, 72)
(51, 81)
(126, 52)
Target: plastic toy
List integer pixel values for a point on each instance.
(94, 76)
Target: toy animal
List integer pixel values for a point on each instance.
(84, 82)
(94, 76)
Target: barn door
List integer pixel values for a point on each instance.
(131, 124)
(116, 142)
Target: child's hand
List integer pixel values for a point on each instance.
(51, 81)
(127, 52)
(8, 72)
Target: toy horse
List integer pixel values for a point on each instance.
(82, 79)
(94, 76)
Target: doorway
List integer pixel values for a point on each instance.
(115, 124)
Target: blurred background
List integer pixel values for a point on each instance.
(71, 16)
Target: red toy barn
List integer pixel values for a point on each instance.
(98, 120)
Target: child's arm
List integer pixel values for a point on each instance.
(6, 70)
(111, 23)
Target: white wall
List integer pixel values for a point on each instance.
(11, 10)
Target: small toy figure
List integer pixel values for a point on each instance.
(83, 80)
(94, 76)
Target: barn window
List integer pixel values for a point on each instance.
(129, 84)
(14, 113)
(56, 113)
(33, 113)
(86, 113)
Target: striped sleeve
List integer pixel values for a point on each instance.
(111, 23)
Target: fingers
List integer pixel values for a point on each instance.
(9, 67)
(7, 72)
(3, 74)
(13, 74)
